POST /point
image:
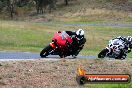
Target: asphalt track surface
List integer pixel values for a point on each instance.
(5, 55)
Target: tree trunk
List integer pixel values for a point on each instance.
(66, 2)
(10, 8)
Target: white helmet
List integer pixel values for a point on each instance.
(129, 38)
(80, 33)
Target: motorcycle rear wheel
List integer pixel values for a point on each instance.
(45, 51)
(121, 56)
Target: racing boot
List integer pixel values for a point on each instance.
(75, 53)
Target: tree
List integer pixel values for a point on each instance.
(66, 2)
(42, 4)
(12, 7)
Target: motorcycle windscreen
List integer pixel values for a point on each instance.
(62, 38)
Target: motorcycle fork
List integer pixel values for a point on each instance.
(53, 46)
(110, 51)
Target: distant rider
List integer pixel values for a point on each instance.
(78, 41)
(124, 44)
(129, 39)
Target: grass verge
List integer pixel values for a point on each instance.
(25, 36)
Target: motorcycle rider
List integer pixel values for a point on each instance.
(120, 40)
(129, 39)
(125, 44)
(78, 41)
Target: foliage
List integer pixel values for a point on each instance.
(40, 5)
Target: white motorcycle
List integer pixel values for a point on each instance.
(116, 49)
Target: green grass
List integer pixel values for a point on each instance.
(129, 20)
(25, 36)
(110, 85)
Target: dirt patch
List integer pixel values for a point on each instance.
(40, 20)
(54, 74)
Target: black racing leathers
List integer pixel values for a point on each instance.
(77, 45)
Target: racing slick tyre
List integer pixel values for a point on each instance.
(45, 52)
(121, 56)
(103, 53)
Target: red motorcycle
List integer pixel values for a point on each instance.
(59, 46)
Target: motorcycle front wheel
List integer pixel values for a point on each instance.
(103, 53)
(45, 52)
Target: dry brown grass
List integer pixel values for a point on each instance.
(22, 25)
(82, 10)
(94, 10)
(55, 74)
